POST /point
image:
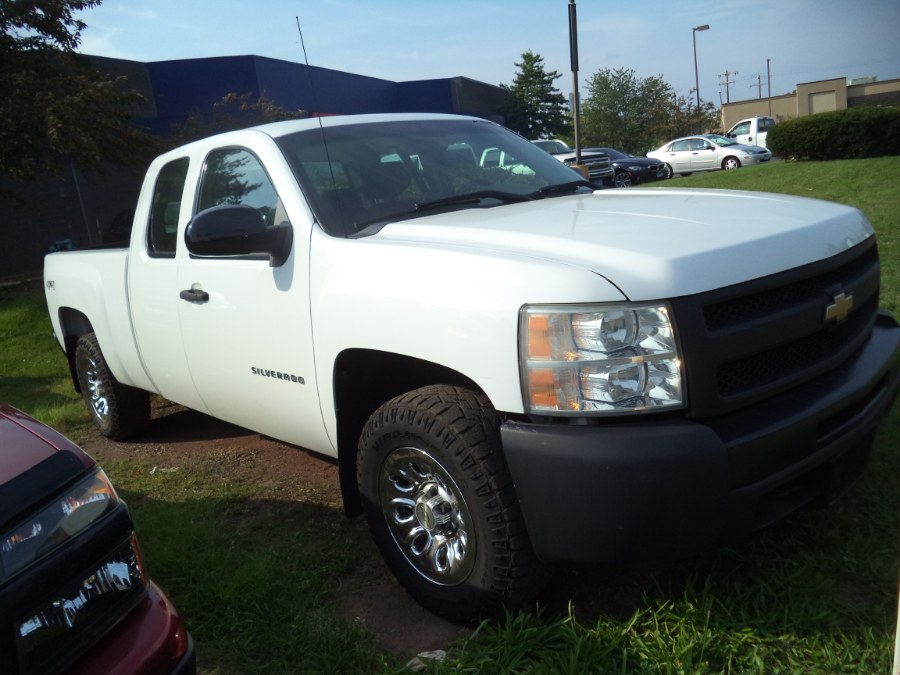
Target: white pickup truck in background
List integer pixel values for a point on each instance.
(752, 131)
(512, 369)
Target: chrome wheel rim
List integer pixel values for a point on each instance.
(427, 516)
(96, 391)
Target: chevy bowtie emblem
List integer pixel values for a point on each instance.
(840, 307)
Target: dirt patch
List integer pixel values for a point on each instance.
(370, 597)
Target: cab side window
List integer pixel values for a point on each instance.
(234, 176)
(167, 193)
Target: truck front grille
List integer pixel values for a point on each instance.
(747, 342)
(793, 357)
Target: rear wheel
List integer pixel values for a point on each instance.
(117, 409)
(730, 163)
(441, 504)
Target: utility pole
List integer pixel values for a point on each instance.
(758, 85)
(769, 83)
(573, 58)
(728, 83)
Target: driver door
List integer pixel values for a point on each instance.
(704, 155)
(245, 325)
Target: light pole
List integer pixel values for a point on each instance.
(696, 71)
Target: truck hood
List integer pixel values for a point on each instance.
(654, 243)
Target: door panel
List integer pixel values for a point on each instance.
(153, 289)
(246, 327)
(679, 156)
(704, 156)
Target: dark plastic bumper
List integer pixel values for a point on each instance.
(664, 488)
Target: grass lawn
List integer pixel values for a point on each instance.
(817, 594)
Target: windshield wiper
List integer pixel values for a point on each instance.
(471, 197)
(571, 186)
(452, 200)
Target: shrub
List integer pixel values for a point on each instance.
(853, 133)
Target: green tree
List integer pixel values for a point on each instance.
(637, 114)
(55, 108)
(536, 109)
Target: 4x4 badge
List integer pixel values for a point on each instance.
(840, 308)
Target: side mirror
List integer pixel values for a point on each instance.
(229, 231)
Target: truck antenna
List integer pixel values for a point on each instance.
(302, 46)
(313, 91)
(314, 97)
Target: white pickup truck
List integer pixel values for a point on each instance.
(513, 369)
(752, 131)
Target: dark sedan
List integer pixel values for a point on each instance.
(74, 596)
(630, 170)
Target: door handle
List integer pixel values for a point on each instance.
(194, 295)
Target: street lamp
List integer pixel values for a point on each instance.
(696, 72)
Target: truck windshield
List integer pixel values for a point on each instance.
(358, 177)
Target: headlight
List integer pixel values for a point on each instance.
(635, 169)
(599, 359)
(58, 522)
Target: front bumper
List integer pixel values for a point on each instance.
(151, 639)
(669, 487)
(752, 160)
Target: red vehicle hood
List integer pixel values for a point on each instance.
(25, 442)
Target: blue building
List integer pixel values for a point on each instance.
(175, 89)
(79, 210)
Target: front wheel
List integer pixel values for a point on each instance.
(730, 163)
(669, 171)
(117, 409)
(441, 504)
(622, 179)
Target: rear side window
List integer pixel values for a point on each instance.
(163, 227)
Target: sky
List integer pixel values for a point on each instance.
(795, 41)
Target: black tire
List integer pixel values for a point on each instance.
(622, 179)
(668, 169)
(441, 505)
(730, 163)
(119, 411)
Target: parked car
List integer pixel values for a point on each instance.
(707, 152)
(598, 164)
(752, 131)
(629, 169)
(74, 596)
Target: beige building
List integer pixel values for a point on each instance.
(814, 97)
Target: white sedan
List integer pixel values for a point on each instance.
(708, 152)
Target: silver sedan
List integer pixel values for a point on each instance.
(708, 152)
